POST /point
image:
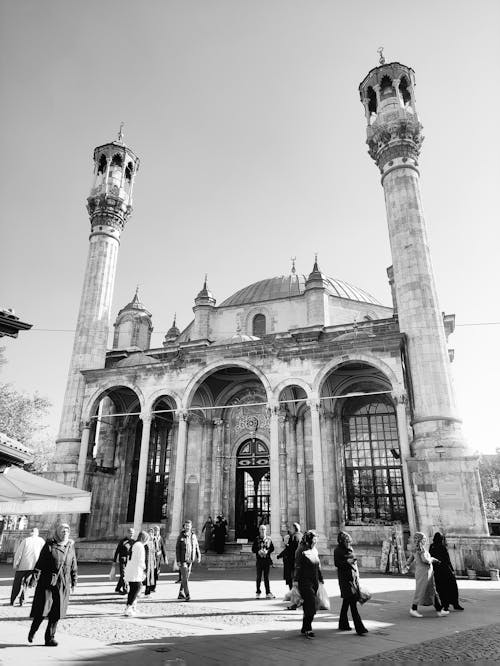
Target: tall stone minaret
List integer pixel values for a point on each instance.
(109, 205)
(440, 453)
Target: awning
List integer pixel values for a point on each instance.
(25, 493)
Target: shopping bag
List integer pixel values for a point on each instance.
(112, 572)
(295, 598)
(364, 595)
(322, 599)
(287, 596)
(175, 565)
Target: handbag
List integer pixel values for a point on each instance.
(295, 597)
(322, 599)
(363, 595)
(112, 572)
(55, 576)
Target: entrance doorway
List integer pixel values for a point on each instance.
(253, 489)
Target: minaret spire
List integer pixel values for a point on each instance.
(109, 205)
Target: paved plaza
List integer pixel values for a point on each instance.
(225, 624)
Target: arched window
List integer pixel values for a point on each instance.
(259, 326)
(102, 164)
(372, 462)
(117, 160)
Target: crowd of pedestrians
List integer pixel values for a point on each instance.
(50, 566)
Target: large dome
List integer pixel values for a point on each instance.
(286, 286)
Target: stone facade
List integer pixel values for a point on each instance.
(298, 398)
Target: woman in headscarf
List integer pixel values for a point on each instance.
(348, 575)
(135, 572)
(288, 553)
(308, 576)
(425, 589)
(56, 574)
(444, 575)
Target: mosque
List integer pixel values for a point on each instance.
(324, 406)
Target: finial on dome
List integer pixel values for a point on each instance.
(293, 259)
(174, 324)
(315, 267)
(380, 51)
(120, 132)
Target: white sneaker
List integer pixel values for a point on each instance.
(257, 595)
(270, 596)
(415, 613)
(442, 613)
(128, 611)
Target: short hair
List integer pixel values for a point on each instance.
(143, 536)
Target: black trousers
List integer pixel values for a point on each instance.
(19, 585)
(263, 565)
(133, 592)
(121, 585)
(308, 595)
(50, 631)
(344, 620)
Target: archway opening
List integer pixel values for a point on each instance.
(228, 408)
(365, 445)
(253, 489)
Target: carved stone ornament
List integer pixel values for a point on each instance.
(250, 418)
(401, 138)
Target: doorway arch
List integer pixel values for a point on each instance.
(253, 488)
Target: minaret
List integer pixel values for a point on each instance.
(317, 301)
(109, 205)
(204, 306)
(394, 138)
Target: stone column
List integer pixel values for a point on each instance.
(226, 466)
(180, 466)
(217, 461)
(319, 493)
(206, 474)
(404, 445)
(301, 470)
(142, 472)
(293, 489)
(283, 472)
(330, 472)
(274, 465)
(84, 449)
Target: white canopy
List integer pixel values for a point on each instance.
(25, 493)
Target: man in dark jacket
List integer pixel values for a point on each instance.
(56, 574)
(263, 547)
(121, 556)
(187, 551)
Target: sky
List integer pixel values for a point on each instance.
(247, 120)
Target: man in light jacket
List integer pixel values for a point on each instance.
(187, 551)
(25, 558)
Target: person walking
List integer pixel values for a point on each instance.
(135, 572)
(444, 574)
(208, 528)
(308, 576)
(25, 558)
(263, 547)
(348, 576)
(425, 589)
(56, 572)
(149, 581)
(187, 551)
(121, 556)
(288, 553)
(220, 531)
(160, 553)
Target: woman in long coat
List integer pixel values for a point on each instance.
(444, 575)
(425, 589)
(348, 576)
(208, 528)
(308, 576)
(219, 535)
(56, 574)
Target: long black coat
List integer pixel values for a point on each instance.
(55, 598)
(444, 576)
(347, 572)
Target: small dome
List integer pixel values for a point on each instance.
(288, 286)
(135, 305)
(136, 358)
(172, 333)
